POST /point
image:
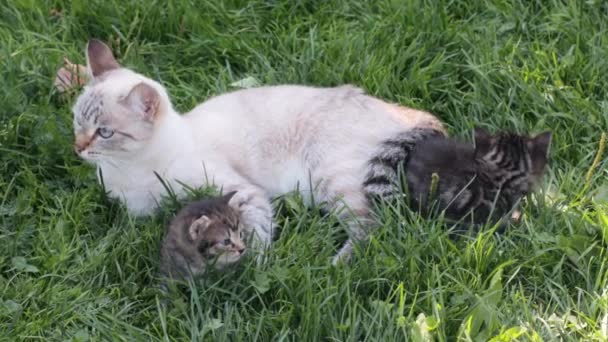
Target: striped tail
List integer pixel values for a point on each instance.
(390, 161)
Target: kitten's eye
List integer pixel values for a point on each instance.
(105, 132)
(226, 242)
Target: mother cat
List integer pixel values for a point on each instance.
(332, 144)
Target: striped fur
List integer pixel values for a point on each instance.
(382, 178)
(482, 182)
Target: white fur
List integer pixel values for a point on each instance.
(261, 142)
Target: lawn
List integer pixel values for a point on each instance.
(75, 266)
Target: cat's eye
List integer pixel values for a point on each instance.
(105, 132)
(227, 242)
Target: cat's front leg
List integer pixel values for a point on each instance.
(256, 212)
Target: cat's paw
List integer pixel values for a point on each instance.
(340, 259)
(344, 255)
(260, 253)
(70, 76)
(259, 246)
(238, 200)
(260, 258)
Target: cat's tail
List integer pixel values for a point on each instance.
(387, 166)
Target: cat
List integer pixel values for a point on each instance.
(204, 233)
(262, 142)
(482, 182)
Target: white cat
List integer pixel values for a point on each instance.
(262, 142)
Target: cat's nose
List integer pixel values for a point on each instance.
(241, 250)
(78, 148)
(81, 143)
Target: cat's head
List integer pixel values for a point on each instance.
(117, 113)
(204, 233)
(518, 161)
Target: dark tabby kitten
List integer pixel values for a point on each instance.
(480, 183)
(203, 233)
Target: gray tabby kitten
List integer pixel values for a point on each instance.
(481, 183)
(204, 233)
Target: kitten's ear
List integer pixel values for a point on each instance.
(483, 140)
(227, 197)
(198, 227)
(143, 99)
(540, 144)
(100, 58)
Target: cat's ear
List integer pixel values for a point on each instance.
(227, 197)
(540, 145)
(144, 100)
(99, 58)
(198, 227)
(483, 140)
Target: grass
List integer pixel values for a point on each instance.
(74, 266)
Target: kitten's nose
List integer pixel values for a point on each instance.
(79, 148)
(241, 250)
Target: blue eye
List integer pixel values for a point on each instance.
(105, 132)
(227, 242)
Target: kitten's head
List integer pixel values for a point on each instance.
(218, 240)
(204, 233)
(116, 114)
(518, 161)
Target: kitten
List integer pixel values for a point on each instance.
(262, 142)
(481, 183)
(204, 233)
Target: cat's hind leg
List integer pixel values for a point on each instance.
(353, 210)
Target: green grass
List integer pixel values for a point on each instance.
(75, 266)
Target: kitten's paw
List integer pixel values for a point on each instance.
(516, 216)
